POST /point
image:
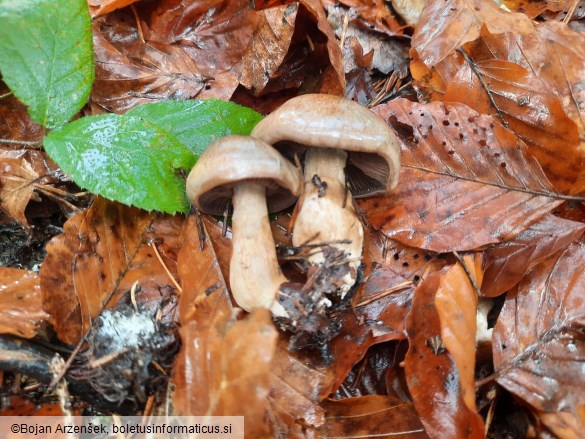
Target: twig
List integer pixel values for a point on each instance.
(173, 280)
(20, 142)
(571, 11)
(385, 293)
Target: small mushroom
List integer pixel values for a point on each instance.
(253, 177)
(341, 141)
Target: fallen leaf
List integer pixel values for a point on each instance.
(268, 46)
(21, 310)
(506, 39)
(15, 123)
(371, 416)
(432, 374)
(296, 390)
(506, 263)
(566, 425)
(465, 180)
(97, 259)
(101, 7)
(130, 71)
(456, 303)
(372, 14)
(524, 104)
(538, 347)
(214, 33)
(17, 186)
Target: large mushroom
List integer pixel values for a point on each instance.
(253, 177)
(341, 142)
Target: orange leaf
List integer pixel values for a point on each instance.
(456, 303)
(432, 374)
(21, 310)
(101, 7)
(465, 181)
(100, 254)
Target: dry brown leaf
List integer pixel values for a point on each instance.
(17, 185)
(538, 344)
(432, 374)
(456, 303)
(101, 7)
(21, 310)
(371, 416)
(199, 268)
(101, 253)
(507, 262)
(446, 25)
(465, 180)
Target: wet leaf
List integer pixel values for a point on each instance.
(21, 310)
(130, 71)
(501, 39)
(214, 33)
(268, 46)
(506, 263)
(15, 123)
(46, 56)
(100, 255)
(297, 387)
(538, 343)
(100, 7)
(374, 14)
(525, 105)
(465, 180)
(432, 374)
(456, 303)
(371, 416)
(124, 158)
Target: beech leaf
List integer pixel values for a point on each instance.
(465, 180)
(46, 56)
(538, 343)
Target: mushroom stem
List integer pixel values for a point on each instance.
(325, 213)
(255, 275)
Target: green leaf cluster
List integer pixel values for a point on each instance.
(139, 158)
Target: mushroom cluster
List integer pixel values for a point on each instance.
(346, 151)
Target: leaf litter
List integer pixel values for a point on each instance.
(489, 206)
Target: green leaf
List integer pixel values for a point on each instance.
(124, 158)
(46, 56)
(197, 123)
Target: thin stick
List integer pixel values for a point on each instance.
(385, 293)
(468, 273)
(20, 142)
(173, 280)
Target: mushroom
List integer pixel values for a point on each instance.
(253, 177)
(342, 142)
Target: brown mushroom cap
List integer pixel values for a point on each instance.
(318, 120)
(234, 159)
